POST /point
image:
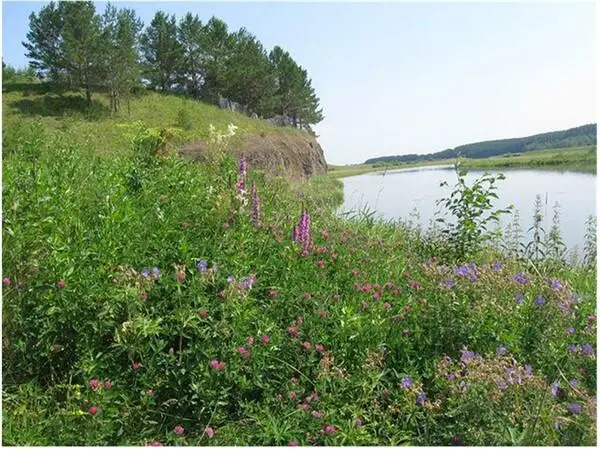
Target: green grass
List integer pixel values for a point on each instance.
(576, 159)
(335, 342)
(33, 103)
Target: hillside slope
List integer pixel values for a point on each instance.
(574, 137)
(273, 148)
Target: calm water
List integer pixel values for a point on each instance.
(394, 195)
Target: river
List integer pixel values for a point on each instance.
(395, 194)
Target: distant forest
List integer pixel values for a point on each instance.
(574, 137)
(71, 46)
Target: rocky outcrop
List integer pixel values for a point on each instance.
(280, 152)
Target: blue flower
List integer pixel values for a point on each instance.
(406, 382)
(540, 301)
(519, 298)
(202, 266)
(574, 408)
(587, 349)
(528, 370)
(570, 330)
(497, 266)
(555, 284)
(421, 398)
(520, 278)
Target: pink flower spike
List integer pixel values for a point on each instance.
(265, 339)
(250, 340)
(319, 347)
(306, 345)
(93, 410)
(136, 365)
(243, 352)
(61, 283)
(94, 384)
(210, 432)
(179, 429)
(107, 384)
(6, 282)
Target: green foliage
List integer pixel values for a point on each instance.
(471, 208)
(73, 47)
(161, 51)
(100, 349)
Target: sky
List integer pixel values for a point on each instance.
(399, 78)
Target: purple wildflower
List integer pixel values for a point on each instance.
(570, 330)
(587, 349)
(573, 348)
(466, 356)
(574, 408)
(463, 386)
(520, 278)
(255, 206)
(501, 384)
(574, 383)
(501, 350)
(146, 272)
(461, 271)
(421, 398)
(528, 370)
(230, 280)
(246, 284)
(497, 266)
(406, 382)
(302, 231)
(449, 283)
(519, 298)
(554, 388)
(555, 284)
(540, 301)
(509, 375)
(155, 273)
(243, 170)
(202, 266)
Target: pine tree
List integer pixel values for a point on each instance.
(191, 70)
(161, 51)
(81, 43)
(45, 43)
(120, 33)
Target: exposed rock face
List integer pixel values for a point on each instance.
(297, 154)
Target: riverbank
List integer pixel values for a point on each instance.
(573, 159)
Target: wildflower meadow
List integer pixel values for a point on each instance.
(151, 300)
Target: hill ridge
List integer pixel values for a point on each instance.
(577, 136)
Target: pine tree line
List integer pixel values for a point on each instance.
(69, 44)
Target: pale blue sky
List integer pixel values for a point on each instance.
(397, 78)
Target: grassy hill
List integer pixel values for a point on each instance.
(574, 137)
(26, 104)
